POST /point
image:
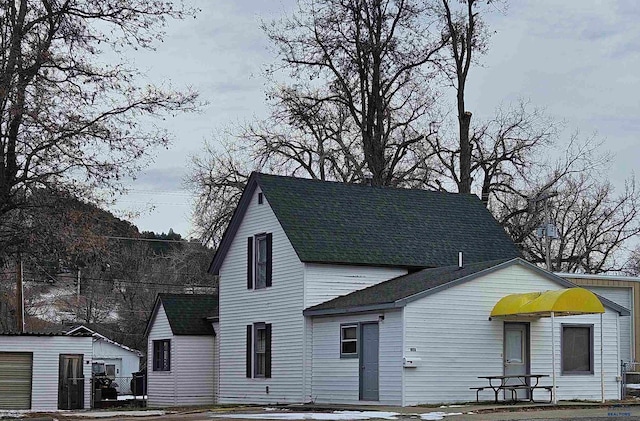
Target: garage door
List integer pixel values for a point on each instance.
(622, 296)
(15, 380)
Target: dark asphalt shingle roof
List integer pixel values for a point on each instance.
(405, 286)
(187, 313)
(332, 222)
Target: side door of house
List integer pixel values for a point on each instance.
(516, 353)
(369, 379)
(71, 382)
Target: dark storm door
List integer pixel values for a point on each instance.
(369, 362)
(71, 382)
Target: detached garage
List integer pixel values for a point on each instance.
(45, 371)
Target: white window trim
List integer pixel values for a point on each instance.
(356, 340)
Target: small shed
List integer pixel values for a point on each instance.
(182, 353)
(118, 362)
(45, 371)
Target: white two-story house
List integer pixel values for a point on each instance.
(417, 272)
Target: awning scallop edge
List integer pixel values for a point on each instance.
(563, 302)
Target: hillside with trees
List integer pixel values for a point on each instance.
(81, 264)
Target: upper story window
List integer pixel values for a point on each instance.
(259, 261)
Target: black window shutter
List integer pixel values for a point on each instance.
(250, 263)
(269, 265)
(168, 345)
(267, 350)
(156, 355)
(249, 349)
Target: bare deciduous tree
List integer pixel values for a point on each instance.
(466, 37)
(69, 115)
(366, 67)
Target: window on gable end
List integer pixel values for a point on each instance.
(259, 261)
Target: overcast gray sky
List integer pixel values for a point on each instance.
(579, 59)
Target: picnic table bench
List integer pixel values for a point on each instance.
(513, 384)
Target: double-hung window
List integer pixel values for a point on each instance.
(259, 264)
(260, 346)
(349, 341)
(577, 349)
(259, 350)
(162, 355)
(261, 261)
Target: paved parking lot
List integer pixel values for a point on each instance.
(453, 413)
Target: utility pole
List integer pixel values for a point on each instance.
(547, 236)
(20, 295)
(547, 231)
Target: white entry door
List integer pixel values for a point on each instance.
(516, 352)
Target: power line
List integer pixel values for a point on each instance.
(152, 240)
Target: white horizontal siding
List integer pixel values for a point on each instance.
(46, 360)
(129, 361)
(281, 305)
(336, 380)
(160, 384)
(216, 362)
(193, 362)
(624, 297)
(452, 334)
(325, 282)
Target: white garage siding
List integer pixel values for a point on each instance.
(336, 380)
(624, 297)
(280, 305)
(46, 359)
(452, 334)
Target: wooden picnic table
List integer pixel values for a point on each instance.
(520, 382)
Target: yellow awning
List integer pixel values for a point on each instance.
(563, 302)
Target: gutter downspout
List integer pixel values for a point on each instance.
(553, 358)
(601, 361)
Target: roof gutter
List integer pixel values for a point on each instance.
(351, 310)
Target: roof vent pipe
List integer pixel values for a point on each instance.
(460, 266)
(368, 179)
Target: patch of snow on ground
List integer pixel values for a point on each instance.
(435, 416)
(453, 406)
(101, 414)
(321, 416)
(635, 386)
(131, 397)
(13, 414)
(276, 409)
